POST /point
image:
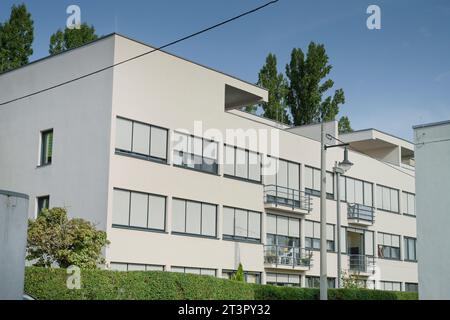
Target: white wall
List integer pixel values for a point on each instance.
(433, 210)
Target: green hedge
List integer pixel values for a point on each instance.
(50, 284)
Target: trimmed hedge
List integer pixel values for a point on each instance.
(50, 284)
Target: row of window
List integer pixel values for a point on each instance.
(145, 140)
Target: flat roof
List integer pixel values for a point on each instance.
(432, 124)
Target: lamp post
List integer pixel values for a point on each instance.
(323, 211)
(339, 169)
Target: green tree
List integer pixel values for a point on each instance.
(239, 275)
(344, 125)
(53, 238)
(71, 38)
(276, 84)
(307, 85)
(16, 39)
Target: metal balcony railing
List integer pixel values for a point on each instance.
(361, 212)
(361, 263)
(287, 197)
(287, 256)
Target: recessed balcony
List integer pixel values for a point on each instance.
(286, 200)
(361, 265)
(287, 257)
(361, 215)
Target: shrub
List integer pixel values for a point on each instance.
(50, 284)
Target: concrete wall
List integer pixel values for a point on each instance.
(13, 240)
(433, 210)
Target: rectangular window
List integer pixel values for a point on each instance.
(312, 182)
(283, 280)
(42, 203)
(241, 224)
(199, 271)
(356, 191)
(411, 287)
(192, 217)
(314, 282)
(242, 163)
(388, 246)
(46, 147)
(390, 286)
(283, 231)
(410, 249)
(141, 140)
(249, 276)
(408, 203)
(387, 199)
(138, 210)
(119, 266)
(312, 236)
(195, 153)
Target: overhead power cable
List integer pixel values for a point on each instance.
(143, 54)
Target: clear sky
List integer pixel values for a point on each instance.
(393, 78)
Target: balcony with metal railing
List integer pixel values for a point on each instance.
(362, 265)
(360, 214)
(287, 257)
(286, 199)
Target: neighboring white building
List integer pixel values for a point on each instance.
(432, 143)
(110, 147)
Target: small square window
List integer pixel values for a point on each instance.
(46, 147)
(42, 203)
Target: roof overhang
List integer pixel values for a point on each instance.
(238, 98)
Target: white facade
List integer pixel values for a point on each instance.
(230, 220)
(433, 206)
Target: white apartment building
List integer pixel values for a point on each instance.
(122, 148)
(432, 142)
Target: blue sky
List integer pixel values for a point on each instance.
(393, 78)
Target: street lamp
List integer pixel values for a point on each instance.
(323, 213)
(339, 169)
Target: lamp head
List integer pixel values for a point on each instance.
(345, 164)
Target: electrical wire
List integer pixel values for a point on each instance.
(143, 54)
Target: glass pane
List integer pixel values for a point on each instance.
(254, 172)
(123, 134)
(138, 215)
(358, 192)
(387, 239)
(282, 176)
(158, 147)
(228, 221)
(282, 226)
(294, 228)
(141, 138)
(368, 194)
(121, 207)
(241, 223)
(308, 178)
(342, 192)
(330, 232)
(241, 163)
(316, 181)
(394, 200)
(178, 215)
(411, 204)
(330, 183)
(294, 176)
(228, 165)
(254, 225)
(157, 212)
(379, 197)
(195, 146)
(118, 266)
(210, 149)
(192, 270)
(368, 243)
(177, 269)
(350, 190)
(404, 202)
(396, 241)
(316, 230)
(208, 272)
(343, 239)
(136, 267)
(208, 220)
(309, 229)
(269, 170)
(271, 223)
(386, 198)
(154, 268)
(193, 217)
(180, 142)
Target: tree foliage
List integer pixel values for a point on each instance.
(54, 238)
(239, 275)
(276, 84)
(16, 39)
(307, 85)
(344, 125)
(71, 38)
